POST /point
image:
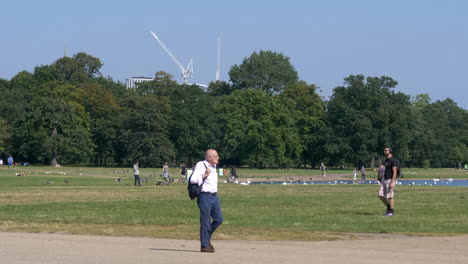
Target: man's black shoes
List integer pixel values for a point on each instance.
(208, 249)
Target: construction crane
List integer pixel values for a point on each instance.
(186, 72)
(218, 58)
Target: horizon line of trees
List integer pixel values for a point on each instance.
(68, 113)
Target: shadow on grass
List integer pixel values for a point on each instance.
(364, 214)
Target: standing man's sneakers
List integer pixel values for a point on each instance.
(389, 214)
(207, 249)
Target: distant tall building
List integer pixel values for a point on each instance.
(132, 81)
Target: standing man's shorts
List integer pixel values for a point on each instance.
(385, 190)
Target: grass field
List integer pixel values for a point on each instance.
(92, 203)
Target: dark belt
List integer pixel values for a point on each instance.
(209, 193)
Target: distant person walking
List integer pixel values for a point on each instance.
(10, 161)
(1, 162)
(387, 186)
(136, 173)
(323, 169)
(381, 173)
(183, 171)
(208, 201)
(363, 173)
(354, 174)
(234, 173)
(166, 171)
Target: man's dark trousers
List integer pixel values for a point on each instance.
(209, 206)
(137, 180)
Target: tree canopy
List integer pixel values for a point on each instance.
(267, 71)
(68, 113)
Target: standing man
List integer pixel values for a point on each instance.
(10, 161)
(387, 186)
(363, 173)
(183, 171)
(323, 169)
(208, 201)
(136, 173)
(166, 171)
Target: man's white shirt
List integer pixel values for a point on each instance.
(211, 182)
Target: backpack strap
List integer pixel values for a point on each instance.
(194, 171)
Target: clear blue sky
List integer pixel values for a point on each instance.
(423, 44)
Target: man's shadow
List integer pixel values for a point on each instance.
(171, 249)
(364, 213)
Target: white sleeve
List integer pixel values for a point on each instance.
(199, 171)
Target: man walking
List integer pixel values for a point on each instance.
(136, 173)
(208, 201)
(387, 186)
(10, 161)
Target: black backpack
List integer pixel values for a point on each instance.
(399, 174)
(193, 188)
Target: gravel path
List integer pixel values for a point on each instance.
(22, 248)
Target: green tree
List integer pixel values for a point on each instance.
(71, 69)
(258, 130)
(447, 124)
(4, 127)
(194, 125)
(219, 88)
(17, 96)
(117, 89)
(91, 65)
(80, 68)
(365, 115)
(162, 85)
(267, 71)
(4, 136)
(308, 111)
(56, 129)
(145, 133)
(47, 73)
(106, 119)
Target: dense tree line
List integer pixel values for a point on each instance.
(67, 112)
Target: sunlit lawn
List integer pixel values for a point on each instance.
(93, 203)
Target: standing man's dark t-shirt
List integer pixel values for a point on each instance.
(389, 164)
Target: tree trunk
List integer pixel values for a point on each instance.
(54, 146)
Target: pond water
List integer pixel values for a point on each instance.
(433, 182)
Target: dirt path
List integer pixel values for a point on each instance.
(58, 249)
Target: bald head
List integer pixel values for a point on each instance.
(212, 157)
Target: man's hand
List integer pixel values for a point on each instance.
(207, 172)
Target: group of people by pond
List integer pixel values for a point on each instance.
(184, 172)
(363, 173)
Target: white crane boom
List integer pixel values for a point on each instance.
(218, 61)
(186, 73)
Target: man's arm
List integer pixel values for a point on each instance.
(394, 176)
(200, 173)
